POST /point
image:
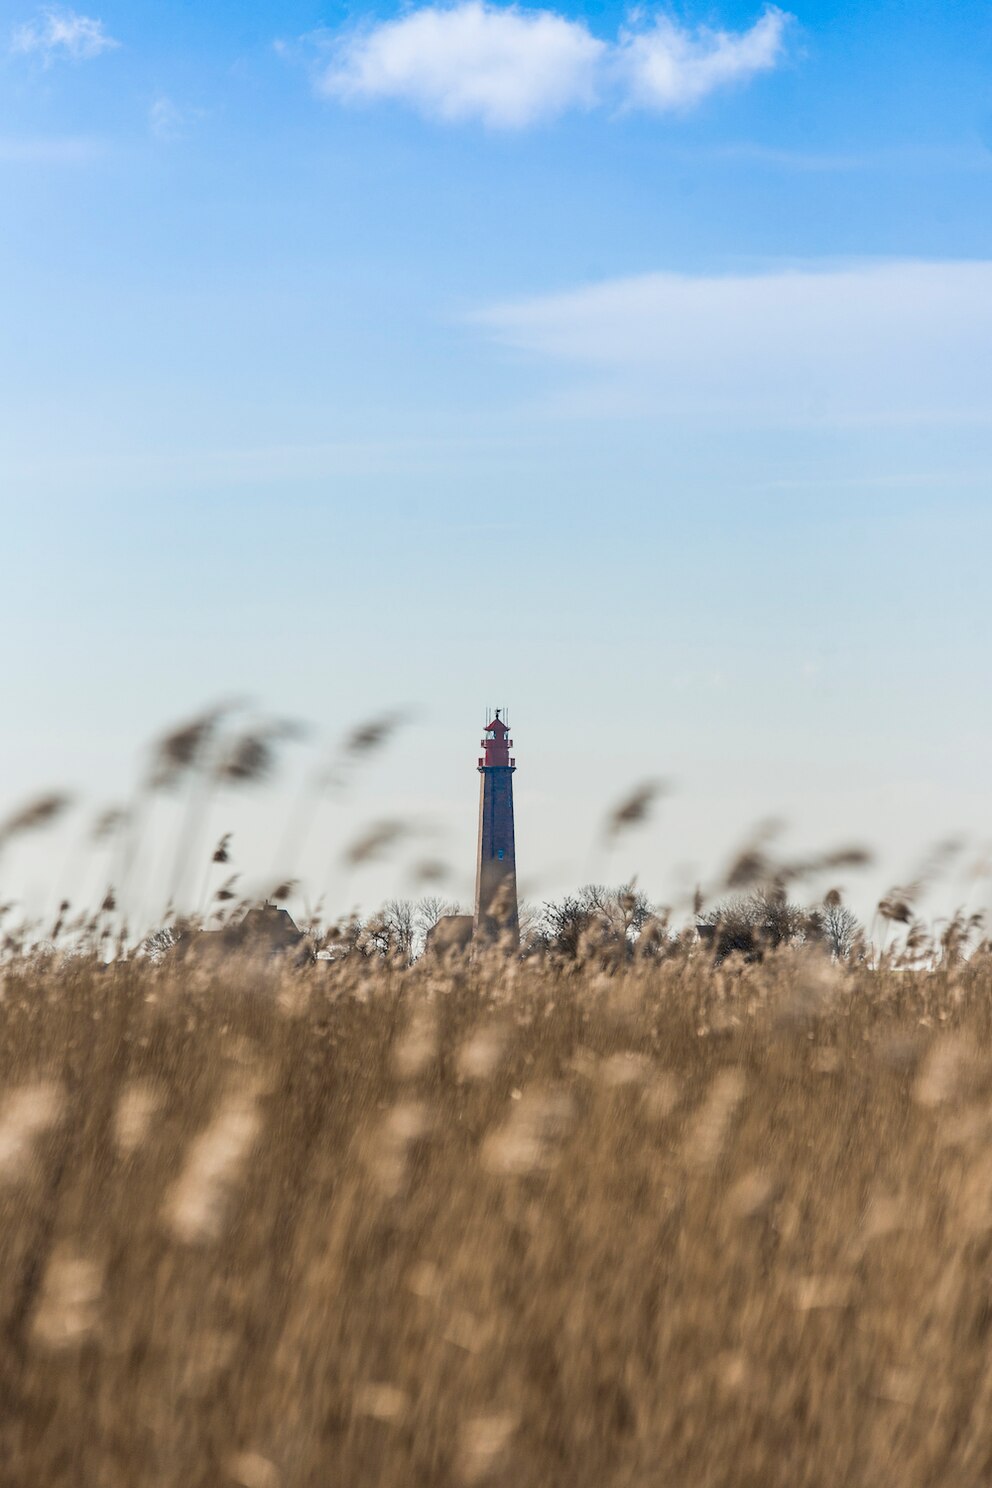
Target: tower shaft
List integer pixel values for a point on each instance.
(495, 914)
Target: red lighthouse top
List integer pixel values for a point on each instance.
(497, 744)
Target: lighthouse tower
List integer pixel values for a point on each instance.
(496, 872)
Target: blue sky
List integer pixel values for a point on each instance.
(631, 366)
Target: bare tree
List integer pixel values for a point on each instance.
(430, 909)
(564, 922)
(619, 914)
(531, 924)
(347, 937)
(390, 932)
(842, 929)
(627, 909)
(751, 924)
(158, 945)
(428, 912)
(398, 919)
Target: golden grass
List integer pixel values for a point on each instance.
(506, 1224)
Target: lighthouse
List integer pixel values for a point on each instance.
(495, 914)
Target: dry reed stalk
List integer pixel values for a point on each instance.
(252, 1470)
(196, 1206)
(68, 1308)
(483, 1442)
(382, 1402)
(417, 1046)
(529, 1140)
(710, 1124)
(480, 1055)
(136, 1110)
(25, 1114)
(390, 1148)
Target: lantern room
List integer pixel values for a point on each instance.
(496, 745)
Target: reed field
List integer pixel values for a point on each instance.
(612, 1220)
(638, 1202)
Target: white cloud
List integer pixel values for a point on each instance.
(63, 33)
(506, 66)
(864, 344)
(672, 67)
(169, 120)
(510, 67)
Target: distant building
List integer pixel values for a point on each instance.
(270, 930)
(451, 933)
(267, 931)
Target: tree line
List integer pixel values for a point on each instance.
(747, 925)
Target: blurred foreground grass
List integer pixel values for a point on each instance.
(509, 1223)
